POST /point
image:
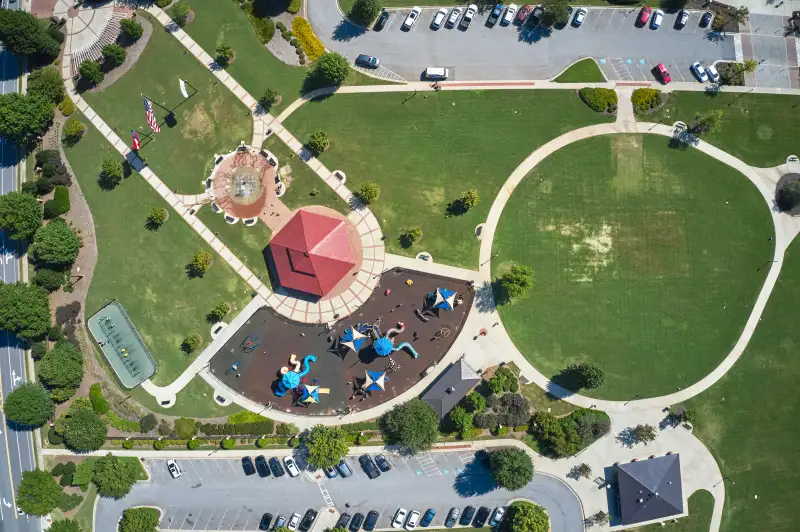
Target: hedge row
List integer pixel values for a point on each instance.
(294, 6)
(644, 100)
(125, 425)
(262, 427)
(99, 403)
(264, 27)
(61, 198)
(311, 44)
(599, 99)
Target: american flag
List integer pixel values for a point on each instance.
(135, 140)
(151, 117)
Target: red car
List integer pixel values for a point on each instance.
(664, 73)
(524, 11)
(644, 16)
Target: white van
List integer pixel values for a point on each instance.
(436, 73)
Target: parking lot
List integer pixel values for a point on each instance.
(764, 41)
(512, 52)
(215, 494)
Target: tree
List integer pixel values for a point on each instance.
(528, 517)
(369, 192)
(29, 405)
(413, 425)
(689, 416)
(74, 130)
(139, 520)
(711, 122)
(365, 11)
(24, 117)
(741, 15)
(584, 470)
(332, 68)
(180, 13)
(91, 72)
(157, 217)
(749, 65)
(148, 423)
(47, 83)
(114, 476)
(22, 34)
(56, 244)
(65, 525)
(131, 29)
(462, 421)
(218, 313)
(318, 142)
(83, 430)
(38, 492)
(24, 309)
(469, 199)
(114, 54)
(199, 264)
(326, 446)
(587, 375)
(644, 433)
(410, 236)
(476, 402)
(555, 12)
(511, 468)
(20, 215)
(600, 518)
(61, 369)
(111, 173)
(191, 343)
(185, 428)
(270, 98)
(224, 54)
(516, 282)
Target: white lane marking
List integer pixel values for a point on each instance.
(198, 518)
(235, 518)
(325, 494)
(196, 471)
(210, 518)
(599, 16)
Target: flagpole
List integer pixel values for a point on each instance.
(155, 102)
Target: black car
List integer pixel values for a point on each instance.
(355, 524)
(372, 519)
(705, 20)
(369, 466)
(308, 521)
(466, 517)
(481, 517)
(535, 18)
(261, 466)
(343, 521)
(276, 467)
(266, 520)
(383, 463)
(381, 22)
(247, 465)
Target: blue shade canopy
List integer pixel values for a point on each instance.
(445, 298)
(375, 381)
(383, 347)
(310, 394)
(353, 339)
(290, 380)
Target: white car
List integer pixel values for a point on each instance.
(469, 14)
(173, 468)
(294, 522)
(497, 516)
(399, 518)
(291, 466)
(658, 17)
(699, 71)
(439, 18)
(683, 17)
(411, 19)
(580, 15)
(508, 17)
(713, 75)
(413, 518)
(453, 18)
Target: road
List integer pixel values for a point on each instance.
(214, 494)
(16, 448)
(610, 35)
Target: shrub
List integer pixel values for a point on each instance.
(218, 313)
(99, 403)
(127, 444)
(159, 445)
(311, 44)
(318, 142)
(50, 280)
(49, 210)
(411, 236)
(719, 22)
(228, 443)
(54, 438)
(38, 349)
(90, 71)
(369, 192)
(191, 343)
(270, 98)
(132, 29)
(280, 25)
(264, 26)
(332, 68)
(67, 502)
(163, 3)
(224, 54)
(476, 402)
(164, 428)
(185, 428)
(47, 83)
(288, 429)
(114, 54)
(147, 423)
(74, 130)
(645, 99)
(194, 444)
(56, 34)
(157, 217)
(180, 13)
(515, 283)
(286, 34)
(111, 173)
(599, 99)
(294, 442)
(199, 264)
(365, 11)
(294, 6)
(61, 199)
(67, 107)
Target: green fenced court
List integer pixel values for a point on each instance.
(121, 345)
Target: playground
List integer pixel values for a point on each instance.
(360, 361)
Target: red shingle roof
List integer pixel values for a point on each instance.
(312, 253)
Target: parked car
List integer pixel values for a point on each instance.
(699, 72)
(266, 520)
(280, 521)
(481, 517)
(355, 524)
(427, 519)
(494, 16)
(276, 467)
(368, 61)
(436, 73)
(497, 516)
(331, 472)
(308, 520)
(508, 16)
(411, 522)
(411, 18)
(453, 18)
(438, 18)
(343, 521)
(580, 14)
(466, 517)
(399, 518)
(291, 466)
(174, 470)
(713, 75)
(383, 463)
(247, 465)
(294, 522)
(523, 13)
(371, 520)
(469, 14)
(261, 466)
(382, 19)
(706, 19)
(662, 71)
(683, 17)
(644, 15)
(369, 466)
(658, 17)
(344, 469)
(536, 17)
(452, 518)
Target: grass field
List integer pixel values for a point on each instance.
(145, 269)
(701, 506)
(255, 68)
(247, 243)
(647, 262)
(756, 128)
(749, 418)
(426, 151)
(211, 121)
(584, 71)
(540, 399)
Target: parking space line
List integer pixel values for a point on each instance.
(213, 477)
(609, 20)
(195, 470)
(621, 22)
(235, 518)
(183, 521)
(210, 518)
(245, 523)
(198, 519)
(599, 16)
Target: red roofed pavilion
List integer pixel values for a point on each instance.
(312, 253)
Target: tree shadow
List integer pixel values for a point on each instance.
(68, 313)
(568, 379)
(455, 208)
(405, 241)
(627, 437)
(474, 480)
(346, 31)
(484, 298)
(532, 35)
(269, 8)
(313, 82)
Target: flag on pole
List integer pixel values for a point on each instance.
(135, 140)
(183, 88)
(151, 117)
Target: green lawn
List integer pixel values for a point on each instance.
(701, 506)
(211, 121)
(584, 71)
(757, 128)
(426, 151)
(749, 418)
(143, 269)
(540, 399)
(646, 258)
(255, 68)
(247, 243)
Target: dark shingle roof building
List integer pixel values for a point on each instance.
(650, 489)
(451, 387)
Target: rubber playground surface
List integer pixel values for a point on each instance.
(339, 369)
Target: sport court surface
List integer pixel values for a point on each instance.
(280, 338)
(647, 259)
